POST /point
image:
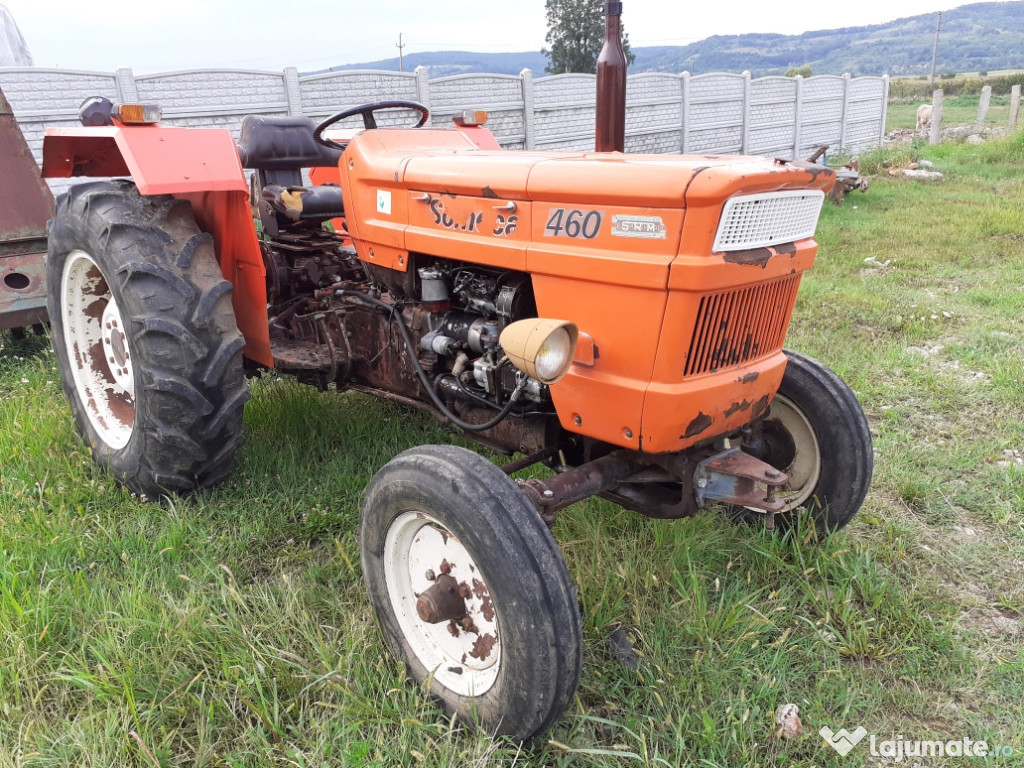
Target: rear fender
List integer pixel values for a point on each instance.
(194, 164)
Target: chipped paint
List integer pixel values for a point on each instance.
(700, 424)
(736, 408)
(755, 256)
(760, 407)
(483, 646)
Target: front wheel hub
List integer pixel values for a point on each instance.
(449, 621)
(115, 348)
(98, 350)
(442, 602)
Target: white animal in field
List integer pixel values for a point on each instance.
(924, 116)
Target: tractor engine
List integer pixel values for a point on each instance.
(335, 318)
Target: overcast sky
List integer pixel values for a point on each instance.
(158, 35)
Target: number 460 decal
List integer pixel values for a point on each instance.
(563, 223)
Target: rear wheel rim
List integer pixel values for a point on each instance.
(99, 355)
(466, 661)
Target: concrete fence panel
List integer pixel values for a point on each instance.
(714, 117)
(502, 96)
(654, 113)
(772, 116)
(564, 111)
(665, 113)
(324, 94)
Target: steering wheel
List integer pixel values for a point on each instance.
(369, 121)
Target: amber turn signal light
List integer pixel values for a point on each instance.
(139, 114)
(470, 118)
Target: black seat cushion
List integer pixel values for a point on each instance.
(282, 143)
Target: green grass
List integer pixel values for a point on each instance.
(232, 629)
(960, 110)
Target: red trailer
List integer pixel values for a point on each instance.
(26, 204)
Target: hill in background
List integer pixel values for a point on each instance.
(974, 38)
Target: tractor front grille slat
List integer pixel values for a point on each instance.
(734, 327)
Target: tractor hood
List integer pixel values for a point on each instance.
(617, 217)
(625, 247)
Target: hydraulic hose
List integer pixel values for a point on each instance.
(410, 344)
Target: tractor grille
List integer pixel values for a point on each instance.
(736, 326)
(770, 218)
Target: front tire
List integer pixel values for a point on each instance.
(816, 432)
(512, 664)
(145, 338)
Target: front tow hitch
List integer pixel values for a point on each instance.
(735, 477)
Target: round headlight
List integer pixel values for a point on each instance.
(541, 348)
(553, 356)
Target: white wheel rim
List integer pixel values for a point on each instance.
(466, 661)
(98, 352)
(805, 469)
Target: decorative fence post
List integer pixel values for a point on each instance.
(797, 117)
(935, 134)
(983, 102)
(529, 118)
(844, 115)
(422, 85)
(885, 109)
(745, 140)
(292, 91)
(126, 85)
(684, 140)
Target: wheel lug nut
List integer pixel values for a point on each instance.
(430, 574)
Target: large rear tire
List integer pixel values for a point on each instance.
(815, 432)
(508, 658)
(145, 338)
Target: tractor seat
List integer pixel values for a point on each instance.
(282, 143)
(304, 203)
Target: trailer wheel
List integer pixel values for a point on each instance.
(815, 432)
(471, 590)
(145, 338)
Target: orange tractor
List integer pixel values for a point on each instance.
(617, 318)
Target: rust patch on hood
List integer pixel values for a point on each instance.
(698, 425)
(737, 407)
(760, 407)
(757, 257)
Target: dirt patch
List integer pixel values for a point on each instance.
(994, 622)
